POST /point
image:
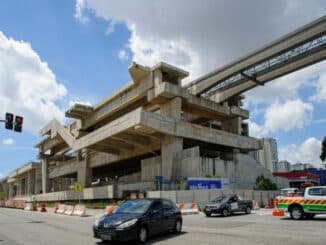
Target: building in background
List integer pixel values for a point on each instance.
(300, 179)
(300, 166)
(268, 155)
(25, 181)
(283, 166)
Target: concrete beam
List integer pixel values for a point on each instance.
(193, 104)
(133, 138)
(295, 38)
(183, 129)
(79, 111)
(118, 102)
(281, 71)
(115, 127)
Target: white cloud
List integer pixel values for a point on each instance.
(8, 141)
(28, 87)
(123, 55)
(320, 86)
(308, 152)
(1, 175)
(79, 6)
(256, 130)
(200, 36)
(292, 114)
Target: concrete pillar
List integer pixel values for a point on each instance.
(171, 151)
(172, 108)
(85, 173)
(233, 125)
(30, 182)
(11, 190)
(45, 176)
(171, 147)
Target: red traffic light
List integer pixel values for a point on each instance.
(9, 121)
(18, 123)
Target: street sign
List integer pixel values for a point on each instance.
(78, 187)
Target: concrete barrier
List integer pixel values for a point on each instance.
(61, 209)
(79, 210)
(188, 208)
(69, 210)
(29, 206)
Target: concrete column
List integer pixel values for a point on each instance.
(11, 190)
(171, 147)
(171, 151)
(172, 108)
(30, 182)
(233, 125)
(85, 173)
(45, 176)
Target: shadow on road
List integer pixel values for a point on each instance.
(322, 219)
(151, 240)
(221, 216)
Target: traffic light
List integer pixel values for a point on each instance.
(9, 121)
(18, 124)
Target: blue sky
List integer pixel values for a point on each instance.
(68, 51)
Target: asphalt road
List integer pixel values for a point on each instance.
(23, 227)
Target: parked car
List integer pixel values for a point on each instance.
(227, 205)
(138, 220)
(311, 203)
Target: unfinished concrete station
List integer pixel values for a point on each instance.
(155, 126)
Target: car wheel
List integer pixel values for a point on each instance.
(178, 226)
(142, 235)
(296, 213)
(225, 212)
(248, 210)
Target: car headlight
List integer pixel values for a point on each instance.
(127, 224)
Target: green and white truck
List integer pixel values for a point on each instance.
(307, 206)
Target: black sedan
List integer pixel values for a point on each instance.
(139, 219)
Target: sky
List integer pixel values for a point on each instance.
(56, 53)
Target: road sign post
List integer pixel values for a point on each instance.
(78, 189)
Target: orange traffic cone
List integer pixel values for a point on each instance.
(43, 207)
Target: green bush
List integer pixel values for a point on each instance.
(265, 184)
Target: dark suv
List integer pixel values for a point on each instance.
(139, 219)
(226, 205)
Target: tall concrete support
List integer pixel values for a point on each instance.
(233, 125)
(171, 152)
(171, 147)
(45, 176)
(11, 191)
(31, 182)
(84, 174)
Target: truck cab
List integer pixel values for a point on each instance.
(313, 202)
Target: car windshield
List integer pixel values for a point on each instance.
(220, 199)
(288, 191)
(134, 206)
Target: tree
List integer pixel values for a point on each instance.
(265, 184)
(323, 150)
